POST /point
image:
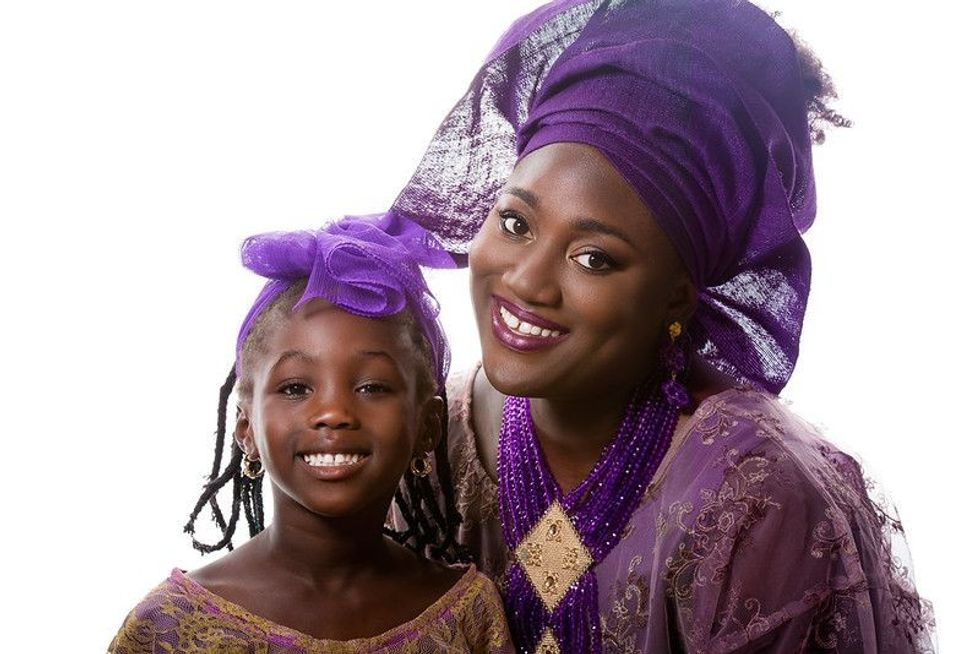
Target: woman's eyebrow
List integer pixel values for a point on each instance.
(528, 196)
(597, 227)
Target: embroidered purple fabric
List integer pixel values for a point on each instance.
(700, 105)
(367, 265)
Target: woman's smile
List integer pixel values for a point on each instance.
(522, 330)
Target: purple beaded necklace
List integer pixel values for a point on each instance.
(556, 540)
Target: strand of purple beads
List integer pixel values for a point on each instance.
(600, 507)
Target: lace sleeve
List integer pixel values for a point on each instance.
(791, 555)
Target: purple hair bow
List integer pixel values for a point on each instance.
(367, 265)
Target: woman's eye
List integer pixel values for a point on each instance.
(514, 224)
(294, 389)
(593, 261)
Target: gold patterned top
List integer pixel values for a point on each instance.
(181, 616)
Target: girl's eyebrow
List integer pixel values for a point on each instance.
(293, 354)
(377, 353)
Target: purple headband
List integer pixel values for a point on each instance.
(700, 105)
(367, 265)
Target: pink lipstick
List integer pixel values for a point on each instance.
(522, 330)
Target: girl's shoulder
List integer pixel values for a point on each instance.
(167, 614)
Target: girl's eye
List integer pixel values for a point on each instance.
(372, 388)
(294, 389)
(513, 224)
(594, 261)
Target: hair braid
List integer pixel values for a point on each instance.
(246, 492)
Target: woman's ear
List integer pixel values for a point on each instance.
(244, 434)
(430, 425)
(683, 300)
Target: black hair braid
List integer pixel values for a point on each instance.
(434, 525)
(245, 492)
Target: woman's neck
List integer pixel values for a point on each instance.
(573, 433)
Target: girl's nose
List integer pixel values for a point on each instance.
(334, 410)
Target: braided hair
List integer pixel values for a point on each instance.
(431, 522)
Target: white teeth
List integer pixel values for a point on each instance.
(326, 459)
(525, 328)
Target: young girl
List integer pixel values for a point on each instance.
(341, 366)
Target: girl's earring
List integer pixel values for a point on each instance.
(420, 465)
(675, 360)
(251, 468)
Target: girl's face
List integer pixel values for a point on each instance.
(335, 413)
(573, 282)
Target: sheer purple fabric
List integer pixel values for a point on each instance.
(367, 265)
(700, 105)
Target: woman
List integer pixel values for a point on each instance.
(621, 462)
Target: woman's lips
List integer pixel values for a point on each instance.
(522, 330)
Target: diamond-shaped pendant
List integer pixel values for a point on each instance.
(553, 557)
(548, 644)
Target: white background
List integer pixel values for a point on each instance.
(140, 142)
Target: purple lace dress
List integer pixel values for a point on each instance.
(755, 534)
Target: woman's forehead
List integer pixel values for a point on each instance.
(577, 182)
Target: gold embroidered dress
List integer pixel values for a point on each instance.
(181, 616)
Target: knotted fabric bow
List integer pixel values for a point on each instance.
(366, 265)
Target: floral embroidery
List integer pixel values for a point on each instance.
(702, 558)
(628, 612)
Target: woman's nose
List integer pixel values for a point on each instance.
(533, 275)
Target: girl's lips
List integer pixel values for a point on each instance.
(522, 331)
(333, 470)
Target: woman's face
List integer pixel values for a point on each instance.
(573, 282)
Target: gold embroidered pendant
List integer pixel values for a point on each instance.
(553, 557)
(548, 644)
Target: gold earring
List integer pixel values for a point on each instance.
(251, 468)
(420, 465)
(674, 329)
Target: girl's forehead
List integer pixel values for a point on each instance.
(318, 326)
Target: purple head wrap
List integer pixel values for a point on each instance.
(701, 106)
(368, 266)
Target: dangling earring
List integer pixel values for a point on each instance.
(675, 361)
(420, 465)
(251, 468)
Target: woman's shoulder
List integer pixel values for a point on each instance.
(769, 498)
(752, 441)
